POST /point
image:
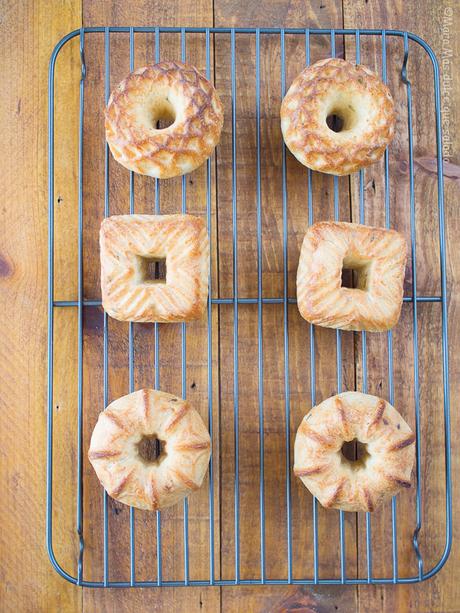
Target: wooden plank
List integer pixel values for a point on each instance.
(377, 380)
(138, 600)
(441, 593)
(284, 598)
(29, 32)
(65, 406)
(274, 384)
(170, 336)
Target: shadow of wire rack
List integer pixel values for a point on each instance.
(209, 37)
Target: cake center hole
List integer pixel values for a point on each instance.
(349, 278)
(163, 114)
(355, 452)
(335, 122)
(151, 449)
(153, 270)
(342, 117)
(355, 274)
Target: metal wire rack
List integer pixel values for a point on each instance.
(209, 36)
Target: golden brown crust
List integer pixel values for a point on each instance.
(182, 240)
(191, 446)
(116, 420)
(343, 417)
(104, 453)
(178, 416)
(332, 500)
(308, 432)
(380, 409)
(145, 96)
(186, 480)
(366, 483)
(380, 257)
(119, 487)
(368, 499)
(400, 482)
(114, 449)
(337, 87)
(305, 472)
(403, 443)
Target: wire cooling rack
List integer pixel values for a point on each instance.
(102, 577)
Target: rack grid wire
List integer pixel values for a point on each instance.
(236, 300)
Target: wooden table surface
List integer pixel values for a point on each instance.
(28, 583)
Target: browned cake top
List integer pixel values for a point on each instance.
(351, 92)
(171, 91)
(117, 458)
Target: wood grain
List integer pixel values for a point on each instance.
(29, 30)
(427, 23)
(274, 390)
(170, 197)
(28, 583)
